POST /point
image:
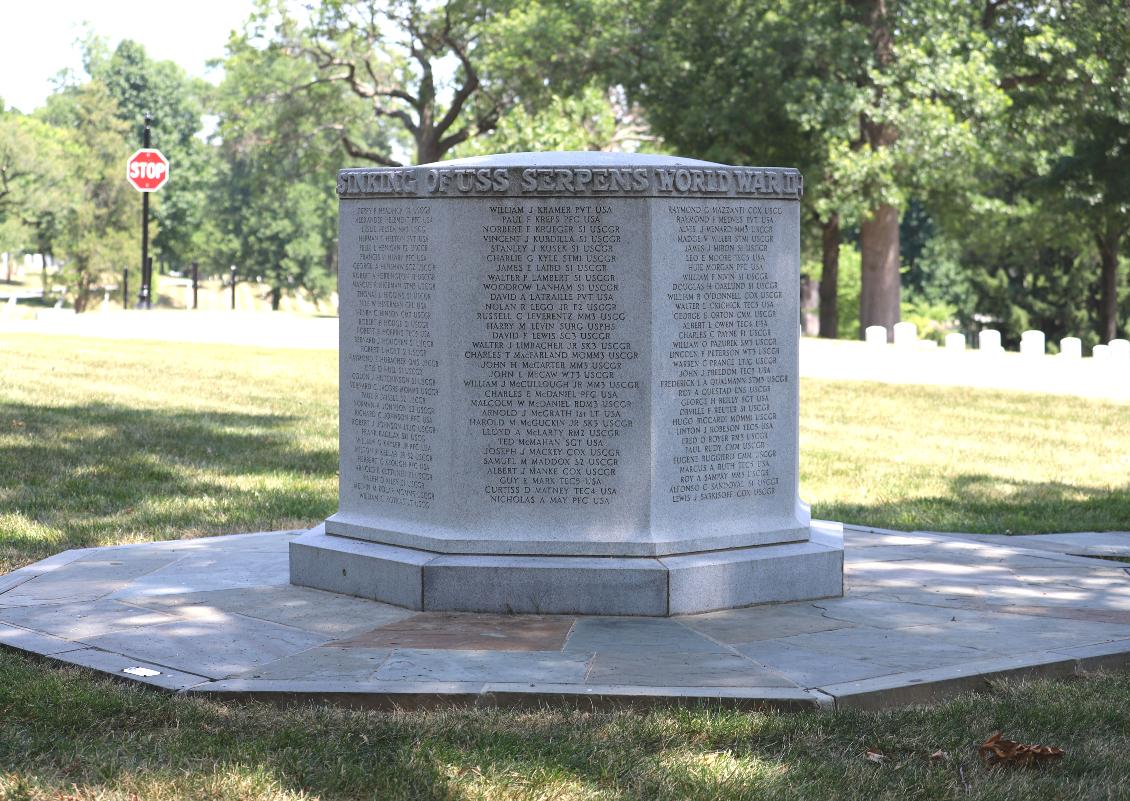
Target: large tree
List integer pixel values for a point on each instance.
(95, 224)
(273, 193)
(415, 66)
(1077, 101)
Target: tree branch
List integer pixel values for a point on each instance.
(470, 84)
(360, 153)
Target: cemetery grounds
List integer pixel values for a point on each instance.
(105, 442)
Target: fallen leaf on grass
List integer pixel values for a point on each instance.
(939, 756)
(874, 755)
(998, 751)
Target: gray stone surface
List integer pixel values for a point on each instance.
(594, 634)
(116, 665)
(557, 368)
(216, 648)
(909, 630)
(711, 580)
(364, 569)
(547, 584)
(34, 642)
(420, 664)
(675, 669)
(298, 607)
(77, 621)
(323, 664)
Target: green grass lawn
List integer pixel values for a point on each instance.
(105, 442)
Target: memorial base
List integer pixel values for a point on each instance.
(669, 585)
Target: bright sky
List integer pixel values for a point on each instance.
(38, 37)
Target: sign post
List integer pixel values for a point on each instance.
(147, 170)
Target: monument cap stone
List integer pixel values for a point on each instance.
(560, 369)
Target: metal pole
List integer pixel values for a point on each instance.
(125, 288)
(195, 285)
(233, 287)
(149, 282)
(143, 298)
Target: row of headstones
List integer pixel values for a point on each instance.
(1032, 343)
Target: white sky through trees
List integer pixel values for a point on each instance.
(40, 37)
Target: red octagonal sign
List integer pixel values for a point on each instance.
(147, 170)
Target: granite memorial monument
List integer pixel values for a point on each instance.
(569, 385)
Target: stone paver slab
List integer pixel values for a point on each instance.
(410, 664)
(318, 664)
(34, 642)
(116, 665)
(213, 649)
(810, 668)
(302, 608)
(763, 622)
(86, 579)
(48, 565)
(694, 669)
(592, 634)
(199, 572)
(934, 684)
(914, 648)
(467, 631)
(76, 621)
(891, 615)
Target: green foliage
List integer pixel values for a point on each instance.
(94, 227)
(933, 320)
(847, 292)
(590, 120)
(275, 187)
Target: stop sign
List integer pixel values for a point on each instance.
(147, 170)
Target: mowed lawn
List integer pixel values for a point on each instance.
(104, 442)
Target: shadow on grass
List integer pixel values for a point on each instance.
(79, 475)
(977, 503)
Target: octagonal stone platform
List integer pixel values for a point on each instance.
(923, 616)
(655, 586)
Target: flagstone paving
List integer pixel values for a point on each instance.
(923, 616)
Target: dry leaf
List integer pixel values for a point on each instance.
(939, 756)
(997, 751)
(874, 755)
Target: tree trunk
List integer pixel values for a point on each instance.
(427, 150)
(1108, 299)
(276, 298)
(880, 292)
(830, 278)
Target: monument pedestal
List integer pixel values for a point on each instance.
(569, 385)
(582, 585)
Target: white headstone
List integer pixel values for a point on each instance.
(875, 335)
(1120, 349)
(1032, 343)
(906, 334)
(1101, 353)
(955, 342)
(989, 341)
(1071, 348)
(547, 357)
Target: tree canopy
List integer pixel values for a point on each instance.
(970, 158)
